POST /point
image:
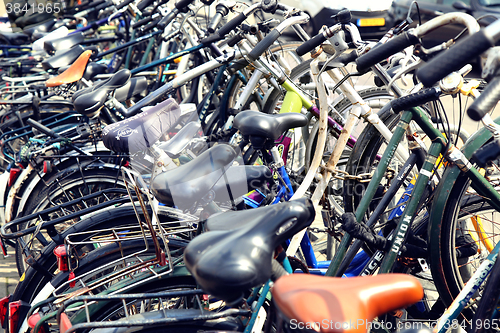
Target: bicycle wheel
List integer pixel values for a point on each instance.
(468, 232)
(101, 266)
(35, 279)
(64, 188)
(483, 318)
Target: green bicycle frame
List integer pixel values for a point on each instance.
(437, 147)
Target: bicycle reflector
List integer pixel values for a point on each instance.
(3, 248)
(4, 305)
(13, 173)
(14, 309)
(62, 258)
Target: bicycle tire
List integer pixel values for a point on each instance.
(34, 280)
(63, 189)
(455, 261)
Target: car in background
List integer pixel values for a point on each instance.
(429, 9)
(370, 16)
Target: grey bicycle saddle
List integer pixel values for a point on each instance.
(189, 183)
(261, 127)
(63, 43)
(239, 180)
(228, 263)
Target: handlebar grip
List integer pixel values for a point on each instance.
(487, 153)
(486, 101)
(311, 44)
(231, 25)
(104, 5)
(383, 51)
(455, 58)
(142, 22)
(150, 26)
(144, 4)
(346, 58)
(124, 4)
(45, 130)
(88, 4)
(214, 23)
(264, 44)
(234, 40)
(182, 5)
(167, 19)
(416, 99)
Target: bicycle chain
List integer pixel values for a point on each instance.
(343, 175)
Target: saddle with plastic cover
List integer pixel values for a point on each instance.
(141, 131)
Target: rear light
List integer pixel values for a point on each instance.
(14, 309)
(13, 174)
(4, 304)
(62, 258)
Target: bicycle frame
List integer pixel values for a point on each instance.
(453, 155)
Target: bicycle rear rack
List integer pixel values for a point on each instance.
(150, 229)
(144, 309)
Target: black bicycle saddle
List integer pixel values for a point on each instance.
(92, 69)
(228, 263)
(189, 183)
(141, 131)
(14, 38)
(134, 86)
(261, 127)
(90, 100)
(43, 27)
(63, 58)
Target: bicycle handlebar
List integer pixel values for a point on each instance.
(182, 5)
(411, 37)
(167, 19)
(455, 58)
(311, 44)
(416, 99)
(486, 101)
(221, 10)
(487, 153)
(144, 4)
(232, 24)
(264, 44)
(382, 51)
(144, 21)
(104, 5)
(124, 4)
(154, 23)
